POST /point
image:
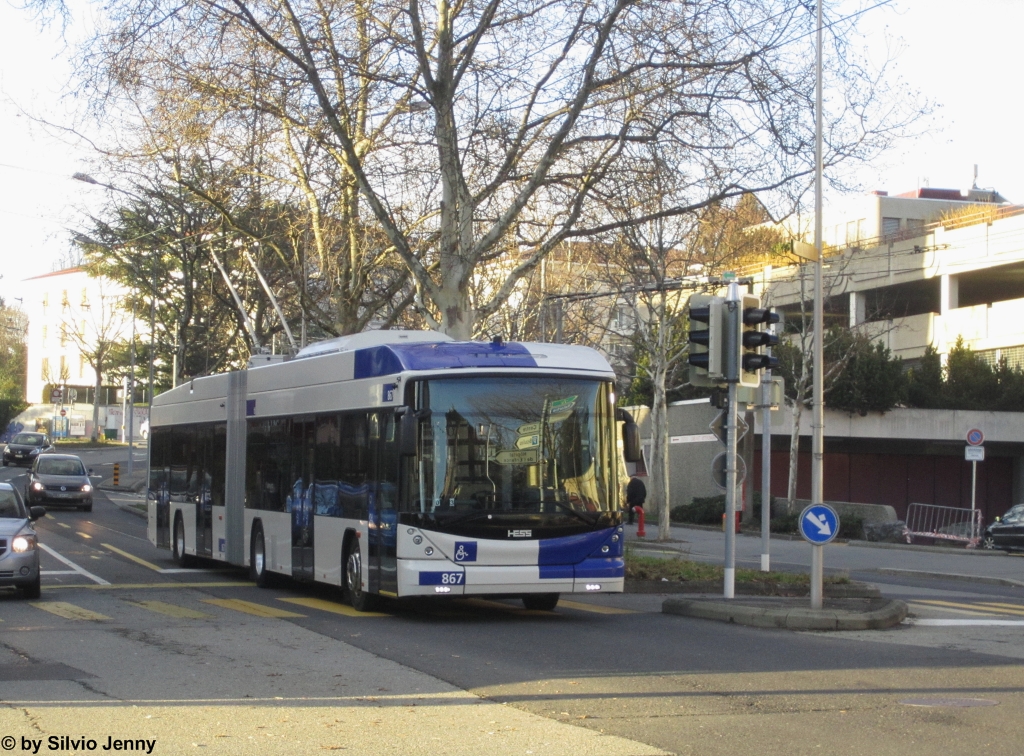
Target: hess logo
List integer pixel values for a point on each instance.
(520, 533)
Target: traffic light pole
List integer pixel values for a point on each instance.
(731, 353)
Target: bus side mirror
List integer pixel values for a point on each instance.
(408, 425)
(630, 437)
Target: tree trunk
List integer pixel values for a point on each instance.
(794, 451)
(96, 402)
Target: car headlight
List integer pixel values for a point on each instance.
(23, 543)
(37, 486)
(32, 451)
(86, 488)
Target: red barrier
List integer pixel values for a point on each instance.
(640, 532)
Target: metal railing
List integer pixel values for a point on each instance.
(945, 523)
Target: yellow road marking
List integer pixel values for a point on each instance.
(330, 606)
(137, 586)
(69, 611)
(596, 608)
(1012, 608)
(84, 535)
(249, 607)
(171, 610)
(134, 558)
(62, 524)
(975, 609)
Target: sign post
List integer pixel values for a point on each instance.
(819, 524)
(974, 452)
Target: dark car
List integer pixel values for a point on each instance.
(19, 545)
(25, 447)
(60, 479)
(1007, 532)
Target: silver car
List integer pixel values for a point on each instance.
(60, 479)
(19, 545)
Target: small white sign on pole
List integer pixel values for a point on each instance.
(974, 453)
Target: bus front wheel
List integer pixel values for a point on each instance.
(361, 600)
(541, 602)
(258, 558)
(178, 543)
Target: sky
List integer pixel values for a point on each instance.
(963, 57)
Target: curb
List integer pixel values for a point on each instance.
(788, 618)
(921, 547)
(950, 576)
(131, 488)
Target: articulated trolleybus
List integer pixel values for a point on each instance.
(400, 463)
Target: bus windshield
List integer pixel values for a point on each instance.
(515, 444)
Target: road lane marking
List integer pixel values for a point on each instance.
(143, 586)
(132, 557)
(62, 524)
(171, 610)
(596, 608)
(57, 572)
(964, 622)
(70, 611)
(250, 607)
(84, 535)
(72, 565)
(1015, 607)
(331, 606)
(977, 608)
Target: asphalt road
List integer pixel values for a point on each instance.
(124, 644)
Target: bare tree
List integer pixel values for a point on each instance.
(471, 131)
(95, 328)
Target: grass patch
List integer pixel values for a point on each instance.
(640, 567)
(102, 443)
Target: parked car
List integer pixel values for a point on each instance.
(144, 429)
(25, 447)
(1006, 532)
(60, 479)
(19, 544)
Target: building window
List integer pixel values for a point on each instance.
(63, 335)
(46, 369)
(45, 331)
(85, 299)
(890, 226)
(64, 303)
(81, 366)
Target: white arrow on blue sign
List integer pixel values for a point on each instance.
(819, 524)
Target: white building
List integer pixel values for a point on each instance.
(915, 280)
(68, 313)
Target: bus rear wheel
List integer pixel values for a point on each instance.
(258, 557)
(360, 600)
(541, 602)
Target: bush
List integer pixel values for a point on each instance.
(703, 510)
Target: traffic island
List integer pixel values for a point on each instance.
(793, 613)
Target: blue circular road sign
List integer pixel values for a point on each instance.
(975, 437)
(819, 524)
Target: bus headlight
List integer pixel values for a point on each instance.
(23, 543)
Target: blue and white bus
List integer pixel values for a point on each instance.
(400, 463)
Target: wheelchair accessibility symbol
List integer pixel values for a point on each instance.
(465, 551)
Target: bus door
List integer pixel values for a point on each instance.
(300, 498)
(384, 502)
(202, 494)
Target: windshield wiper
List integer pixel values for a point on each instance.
(568, 508)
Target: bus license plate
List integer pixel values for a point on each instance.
(442, 578)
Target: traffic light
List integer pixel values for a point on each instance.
(753, 338)
(705, 314)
